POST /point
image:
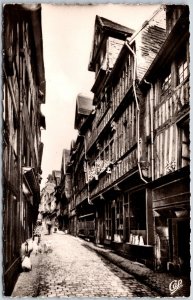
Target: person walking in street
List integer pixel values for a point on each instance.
(37, 231)
(55, 226)
(49, 226)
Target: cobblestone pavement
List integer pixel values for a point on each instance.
(73, 270)
(164, 283)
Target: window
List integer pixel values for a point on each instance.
(111, 151)
(166, 84)
(108, 95)
(119, 220)
(108, 221)
(126, 217)
(181, 65)
(137, 216)
(184, 143)
(182, 71)
(107, 149)
(107, 153)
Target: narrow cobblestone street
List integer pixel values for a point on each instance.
(72, 270)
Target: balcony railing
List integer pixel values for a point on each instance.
(115, 172)
(98, 168)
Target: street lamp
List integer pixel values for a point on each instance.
(86, 173)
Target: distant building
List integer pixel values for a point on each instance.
(48, 196)
(82, 217)
(63, 192)
(71, 203)
(23, 94)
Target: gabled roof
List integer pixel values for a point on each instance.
(110, 25)
(106, 28)
(175, 39)
(147, 43)
(84, 105)
(83, 109)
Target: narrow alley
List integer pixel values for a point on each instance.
(96, 149)
(69, 269)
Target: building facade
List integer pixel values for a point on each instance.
(131, 158)
(49, 206)
(63, 192)
(166, 125)
(84, 212)
(117, 172)
(23, 94)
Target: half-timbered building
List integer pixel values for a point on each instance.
(23, 94)
(117, 172)
(166, 128)
(131, 158)
(63, 192)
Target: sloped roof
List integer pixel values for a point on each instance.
(84, 105)
(176, 37)
(107, 28)
(108, 24)
(148, 41)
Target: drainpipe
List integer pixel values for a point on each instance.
(138, 111)
(151, 125)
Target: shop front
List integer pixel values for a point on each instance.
(125, 224)
(62, 218)
(171, 208)
(86, 220)
(138, 226)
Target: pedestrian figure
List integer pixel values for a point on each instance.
(37, 232)
(49, 226)
(55, 225)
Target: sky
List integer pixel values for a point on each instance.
(68, 32)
